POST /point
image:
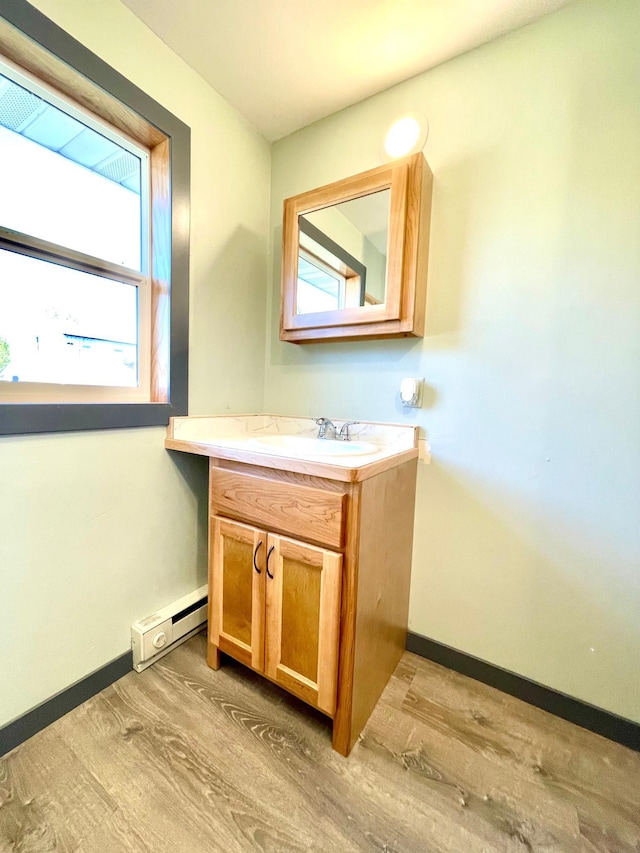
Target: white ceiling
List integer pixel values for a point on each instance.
(286, 63)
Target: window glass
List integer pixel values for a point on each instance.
(94, 266)
(64, 182)
(318, 289)
(60, 325)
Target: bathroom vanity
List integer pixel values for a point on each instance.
(309, 555)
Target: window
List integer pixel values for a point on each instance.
(93, 240)
(329, 277)
(75, 196)
(320, 286)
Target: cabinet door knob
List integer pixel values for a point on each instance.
(268, 555)
(255, 554)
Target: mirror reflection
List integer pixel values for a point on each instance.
(342, 254)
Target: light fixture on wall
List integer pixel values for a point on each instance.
(407, 135)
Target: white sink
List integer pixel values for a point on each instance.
(299, 445)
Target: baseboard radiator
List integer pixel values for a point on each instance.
(155, 636)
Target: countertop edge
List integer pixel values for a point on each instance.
(297, 466)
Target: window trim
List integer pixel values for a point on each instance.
(355, 269)
(32, 41)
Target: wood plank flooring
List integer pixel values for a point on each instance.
(182, 759)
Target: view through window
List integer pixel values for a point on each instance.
(74, 250)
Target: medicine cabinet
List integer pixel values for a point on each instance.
(355, 256)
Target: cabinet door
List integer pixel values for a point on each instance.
(303, 620)
(236, 587)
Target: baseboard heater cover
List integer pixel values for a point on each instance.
(155, 636)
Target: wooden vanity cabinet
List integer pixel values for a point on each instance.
(276, 608)
(309, 581)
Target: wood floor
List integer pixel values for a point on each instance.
(181, 759)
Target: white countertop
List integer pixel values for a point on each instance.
(237, 437)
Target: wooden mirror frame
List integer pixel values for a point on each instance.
(402, 314)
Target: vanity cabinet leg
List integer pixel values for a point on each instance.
(342, 741)
(213, 656)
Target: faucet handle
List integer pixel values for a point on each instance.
(327, 429)
(344, 434)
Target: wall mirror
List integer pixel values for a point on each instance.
(355, 256)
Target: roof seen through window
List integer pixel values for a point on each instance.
(31, 116)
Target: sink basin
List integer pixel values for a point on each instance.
(299, 445)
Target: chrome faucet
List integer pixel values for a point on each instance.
(327, 428)
(344, 434)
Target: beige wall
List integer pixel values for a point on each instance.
(526, 550)
(98, 529)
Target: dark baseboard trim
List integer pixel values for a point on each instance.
(575, 711)
(604, 723)
(40, 717)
